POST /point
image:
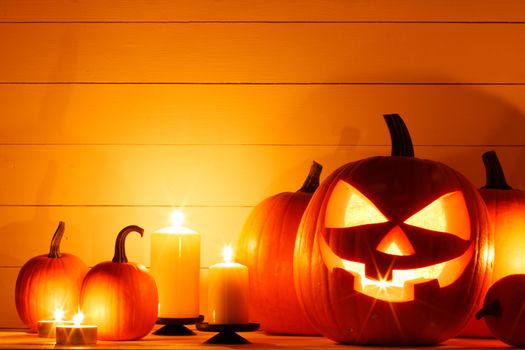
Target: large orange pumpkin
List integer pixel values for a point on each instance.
(266, 246)
(120, 297)
(506, 207)
(392, 250)
(49, 282)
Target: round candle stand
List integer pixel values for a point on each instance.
(227, 332)
(176, 326)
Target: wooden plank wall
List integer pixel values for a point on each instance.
(114, 112)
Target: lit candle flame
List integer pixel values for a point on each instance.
(59, 314)
(177, 217)
(78, 318)
(227, 253)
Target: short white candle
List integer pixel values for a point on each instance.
(47, 328)
(228, 291)
(175, 265)
(76, 333)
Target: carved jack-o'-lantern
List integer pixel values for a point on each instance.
(392, 250)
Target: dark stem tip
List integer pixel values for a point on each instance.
(312, 180)
(494, 174)
(491, 309)
(399, 135)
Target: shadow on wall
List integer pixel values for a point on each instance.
(453, 124)
(31, 219)
(28, 221)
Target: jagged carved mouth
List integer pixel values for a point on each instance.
(400, 287)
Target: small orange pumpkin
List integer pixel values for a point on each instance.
(266, 246)
(503, 309)
(120, 297)
(49, 282)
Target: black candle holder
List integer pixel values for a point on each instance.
(176, 326)
(227, 332)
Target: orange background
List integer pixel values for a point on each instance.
(113, 112)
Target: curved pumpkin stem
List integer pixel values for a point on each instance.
(401, 141)
(54, 249)
(492, 309)
(312, 180)
(494, 174)
(120, 247)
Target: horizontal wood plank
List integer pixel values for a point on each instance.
(262, 53)
(94, 217)
(156, 175)
(96, 204)
(91, 231)
(260, 10)
(258, 114)
(9, 316)
(211, 176)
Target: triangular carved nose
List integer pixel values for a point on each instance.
(396, 243)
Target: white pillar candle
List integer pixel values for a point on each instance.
(175, 265)
(228, 292)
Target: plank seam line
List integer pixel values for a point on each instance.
(247, 145)
(378, 83)
(197, 206)
(268, 22)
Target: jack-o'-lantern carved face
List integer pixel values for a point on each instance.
(392, 249)
(388, 256)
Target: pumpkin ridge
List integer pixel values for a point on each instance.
(266, 245)
(268, 226)
(289, 209)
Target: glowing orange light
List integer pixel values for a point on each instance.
(58, 314)
(447, 214)
(401, 287)
(78, 318)
(396, 243)
(348, 208)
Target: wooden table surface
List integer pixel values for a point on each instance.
(18, 339)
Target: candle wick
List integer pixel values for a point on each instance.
(78, 318)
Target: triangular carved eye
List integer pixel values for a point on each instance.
(347, 207)
(446, 214)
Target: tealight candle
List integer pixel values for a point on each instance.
(76, 334)
(47, 328)
(175, 265)
(228, 291)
